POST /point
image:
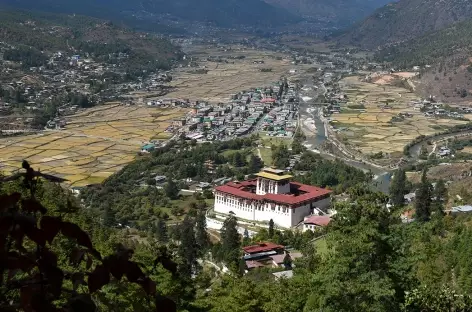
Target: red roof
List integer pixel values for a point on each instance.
(318, 220)
(251, 264)
(307, 192)
(262, 247)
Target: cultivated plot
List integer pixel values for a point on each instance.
(95, 143)
(377, 127)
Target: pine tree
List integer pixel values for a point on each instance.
(230, 242)
(109, 217)
(246, 238)
(398, 188)
(187, 250)
(201, 234)
(423, 199)
(255, 164)
(271, 228)
(161, 231)
(440, 196)
(287, 261)
(171, 189)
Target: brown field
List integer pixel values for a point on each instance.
(95, 143)
(225, 79)
(370, 130)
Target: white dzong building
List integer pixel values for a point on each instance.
(271, 196)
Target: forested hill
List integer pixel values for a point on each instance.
(141, 13)
(453, 42)
(405, 20)
(335, 12)
(41, 33)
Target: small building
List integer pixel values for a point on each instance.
(313, 222)
(148, 148)
(179, 122)
(160, 179)
(460, 209)
(284, 274)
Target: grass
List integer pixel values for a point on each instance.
(266, 155)
(269, 140)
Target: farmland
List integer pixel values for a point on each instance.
(375, 127)
(225, 78)
(95, 143)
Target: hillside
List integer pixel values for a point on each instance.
(446, 52)
(335, 12)
(405, 20)
(145, 13)
(43, 33)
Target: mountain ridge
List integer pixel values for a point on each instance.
(404, 20)
(340, 12)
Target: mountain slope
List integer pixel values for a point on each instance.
(44, 33)
(405, 20)
(225, 13)
(336, 12)
(448, 55)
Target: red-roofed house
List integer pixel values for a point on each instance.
(271, 196)
(312, 222)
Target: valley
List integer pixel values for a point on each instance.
(236, 155)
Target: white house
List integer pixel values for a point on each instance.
(271, 196)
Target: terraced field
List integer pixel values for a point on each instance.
(372, 130)
(95, 143)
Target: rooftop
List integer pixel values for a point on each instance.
(318, 220)
(299, 193)
(272, 176)
(283, 274)
(262, 247)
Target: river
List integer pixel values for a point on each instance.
(316, 137)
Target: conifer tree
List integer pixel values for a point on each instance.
(246, 238)
(201, 234)
(161, 231)
(187, 250)
(230, 242)
(398, 188)
(271, 228)
(423, 199)
(440, 196)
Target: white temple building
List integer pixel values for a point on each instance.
(271, 196)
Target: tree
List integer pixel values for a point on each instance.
(171, 189)
(423, 199)
(238, 160)
(187, 250)
(201, 235)
(361, 273)
(230, 243)
(440, 196)
(162, 234)
(255, 164)
(424, 152)
(398, 188)
(51, 261)
(271, 228)
(287, 261)
(109, 217)
(246, 238)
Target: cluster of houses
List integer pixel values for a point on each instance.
(257, 109)
(66, 72)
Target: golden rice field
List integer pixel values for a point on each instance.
(224, 79)
(370, 130)
(95, 143)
